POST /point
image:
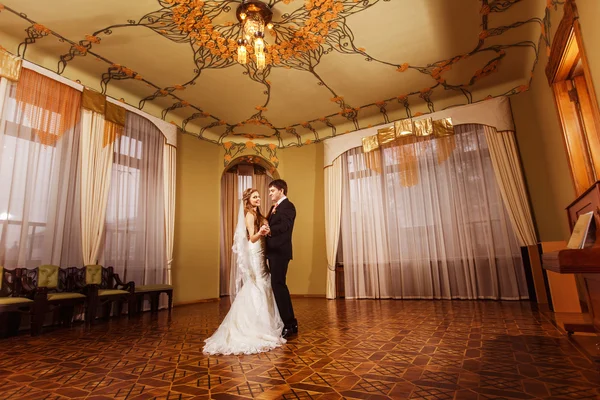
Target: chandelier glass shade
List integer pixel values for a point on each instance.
(254, 16)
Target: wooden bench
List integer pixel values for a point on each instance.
(153, 292)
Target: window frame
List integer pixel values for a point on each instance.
(575, 100)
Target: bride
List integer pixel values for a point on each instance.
(253, 324)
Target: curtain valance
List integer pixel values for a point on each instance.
(494, 112)
(168, 130)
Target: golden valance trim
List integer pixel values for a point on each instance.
(96, 102)
(115, 113)
(370, 143)
(10, 65)
(407, 127)
(386, 135)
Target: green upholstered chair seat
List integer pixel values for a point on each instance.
(110, 292)
(65, 296)
(4, 301)
(152, 288)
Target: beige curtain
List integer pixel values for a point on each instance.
(445, 234)
(96, 167)
(333, 211)
(170, 168)
(507, 168)
(261, 182)
(229, 210)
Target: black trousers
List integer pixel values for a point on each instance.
(279, 267)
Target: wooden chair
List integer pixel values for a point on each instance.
(12, 307)
(52, 289)
(103, 288)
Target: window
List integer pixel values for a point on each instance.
(26, 170)
(123, 205)
(135, 220)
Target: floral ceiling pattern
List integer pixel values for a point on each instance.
(333, 66)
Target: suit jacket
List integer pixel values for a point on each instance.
(281, 222)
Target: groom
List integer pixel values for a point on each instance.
(279, 251)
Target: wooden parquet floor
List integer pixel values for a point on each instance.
(345, 350)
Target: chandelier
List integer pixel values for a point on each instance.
(254, 16)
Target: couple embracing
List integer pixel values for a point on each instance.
(261, 316)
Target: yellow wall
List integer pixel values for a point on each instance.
(543, 155)
(302, 169)
(196, 252)
(540, 136)
(197, 219)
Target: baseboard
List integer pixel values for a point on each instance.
(187, 303)
(294, 296)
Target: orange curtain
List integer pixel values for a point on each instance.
(51, 108)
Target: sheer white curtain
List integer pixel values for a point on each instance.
(135, 216)
(425, 219)
(39, 144)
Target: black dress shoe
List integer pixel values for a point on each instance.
(285, 332)
(293, 326)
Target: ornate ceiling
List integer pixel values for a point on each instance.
(334, 66)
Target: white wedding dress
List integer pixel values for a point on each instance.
(253, 324)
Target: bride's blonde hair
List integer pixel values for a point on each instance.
(248, 208)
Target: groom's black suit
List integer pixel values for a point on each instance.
(279, 254)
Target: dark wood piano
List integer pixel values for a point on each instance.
(583, 262)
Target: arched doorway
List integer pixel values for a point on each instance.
(241, 174)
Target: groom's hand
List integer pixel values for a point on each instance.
(264, 230)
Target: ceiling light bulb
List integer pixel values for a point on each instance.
(260, 61)
(259, 45)
(243, 15)
(241, 52)
(269, 26)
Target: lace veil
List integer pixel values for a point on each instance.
(240, 261)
